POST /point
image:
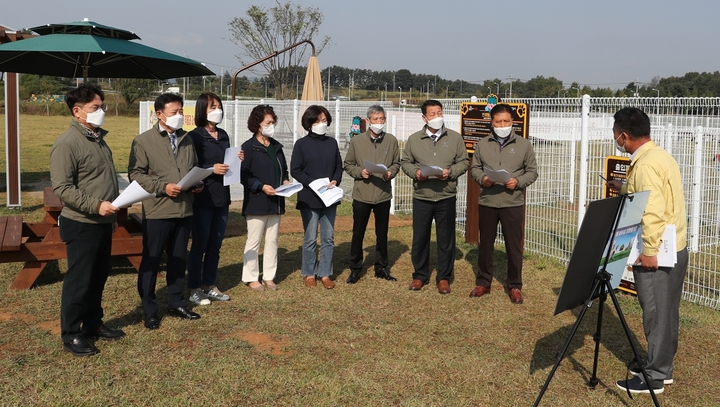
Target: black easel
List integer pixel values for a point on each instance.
(601, 287)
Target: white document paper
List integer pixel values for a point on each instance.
(667, 253)
(231, 158)
(328, 195)
(430, 170)
(195, 175)
(377, 169)
(288, 189)
(498, 177)
(134, 193)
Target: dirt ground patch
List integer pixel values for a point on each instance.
(262, 342)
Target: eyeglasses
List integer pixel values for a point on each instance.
(95, 108)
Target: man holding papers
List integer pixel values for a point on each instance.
(373, 159)
(504, 165)
(659, 288)
(159, 159)
(83, 177)
(435, 193)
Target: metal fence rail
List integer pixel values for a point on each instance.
(688, 128)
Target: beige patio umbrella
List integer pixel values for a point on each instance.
(313, 87)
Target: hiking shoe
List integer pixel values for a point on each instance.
(197, 296)
(635, 371)
(637, 385)
(214, 294)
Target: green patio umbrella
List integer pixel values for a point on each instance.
(90, 50)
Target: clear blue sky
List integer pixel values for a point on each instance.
(598, 43)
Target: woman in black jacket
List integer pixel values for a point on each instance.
(263, 170)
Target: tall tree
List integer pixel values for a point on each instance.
(134, 89)
(265, 31)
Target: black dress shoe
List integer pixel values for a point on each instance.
(183, 312)
(353, 277)
(105, 333)
(80, 346)
(152, 321)
(384, 274)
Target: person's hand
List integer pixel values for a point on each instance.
(647, 262)
(220, 168)
(107, 209)
(241, 155)
(615, 185)
(387, 176)
(512, 184)
(486, 182)
(419, 176)
(365, 174)
(268, 190)
(332, 184)
(197, 188)
(445, 174)
(172, 190)
(286, 182)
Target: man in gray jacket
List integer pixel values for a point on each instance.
(159, 159)
(502, 202)
(372, 192)
(435, 195)
(83, 177)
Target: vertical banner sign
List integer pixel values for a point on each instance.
(616, 169)
(474, 125)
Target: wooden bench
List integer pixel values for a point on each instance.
(39, 243)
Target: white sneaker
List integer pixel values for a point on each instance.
(197, 296)
(214, 294)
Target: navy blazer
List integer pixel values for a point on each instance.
(211, 152)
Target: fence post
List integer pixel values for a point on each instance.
(296, 114)
(584, 147)
(573, 159)
(696, 192)
(669, 139)
(337, 122)
(393, 127)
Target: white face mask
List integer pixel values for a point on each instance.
(268, 131)
(96, 118)
(319, 129)
(436, 123)
(620, 148)
(502, 132)
(215, 116)
(174, 122)
(377, 128)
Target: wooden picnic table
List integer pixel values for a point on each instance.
(37, 244)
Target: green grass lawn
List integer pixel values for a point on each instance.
(370, 344)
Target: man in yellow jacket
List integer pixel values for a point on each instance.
(659, 288)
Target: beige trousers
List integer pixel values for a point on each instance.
(269, 226)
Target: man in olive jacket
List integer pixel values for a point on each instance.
(372, 192)
(159, 159)
(502, 202)
(83, 177)
(434, 196)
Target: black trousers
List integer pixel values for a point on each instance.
(443, 213)
(361, 216)
(170, 235)
(511, 222)
(88, 249)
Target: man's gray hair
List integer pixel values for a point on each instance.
(375, 109)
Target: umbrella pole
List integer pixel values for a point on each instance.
(274, 54)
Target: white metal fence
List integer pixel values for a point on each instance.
(571, 151)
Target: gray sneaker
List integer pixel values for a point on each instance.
(214, 294)
(197, 296)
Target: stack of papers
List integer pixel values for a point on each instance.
(329, 195)
(134, 193)
(288, 189)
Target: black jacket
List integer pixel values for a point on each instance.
(211, 152)
(258, 170)
(315, 157)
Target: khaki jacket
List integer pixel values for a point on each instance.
(517, 157)
(449, 152)
(153, 165)
(83, 174)
(385, 150)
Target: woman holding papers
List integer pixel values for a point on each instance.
(210, 208)
(314, 157)
(263, 170)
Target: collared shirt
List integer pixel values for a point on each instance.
(653, 169)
